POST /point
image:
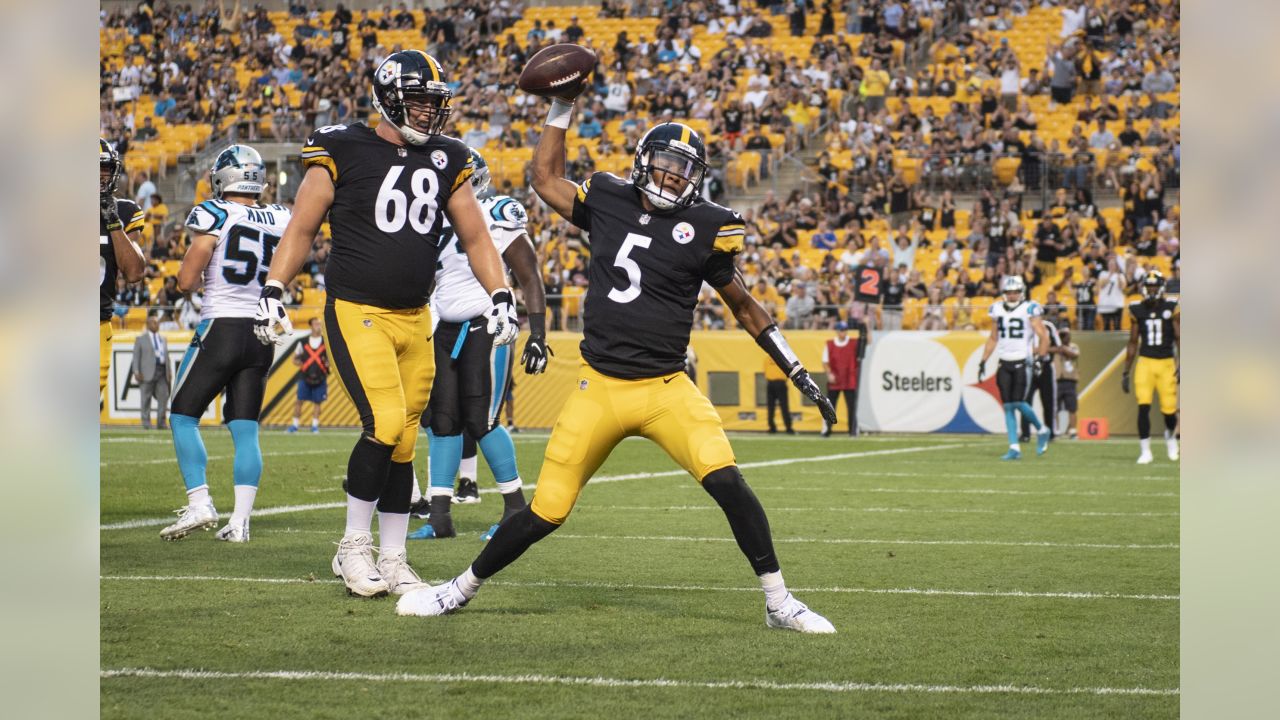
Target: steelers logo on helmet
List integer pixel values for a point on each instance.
(410, 91)
(670, 165)
(479, 172)
(108, 168)
(1153, 287)
(238, 169)
(1013, 288)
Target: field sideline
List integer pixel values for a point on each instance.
(960, 586)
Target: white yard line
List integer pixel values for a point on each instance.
(1069, 595)
(596, 480)
(965, 491)
(832, 686)
(268, 456)
(862, 541)
(963, 511)
(941, 474)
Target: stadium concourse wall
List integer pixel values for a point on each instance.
(911, 382)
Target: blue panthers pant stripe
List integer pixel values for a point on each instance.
(193, 350)
(500, 375)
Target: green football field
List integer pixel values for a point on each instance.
(960, 587)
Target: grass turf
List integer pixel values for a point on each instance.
(960, 586)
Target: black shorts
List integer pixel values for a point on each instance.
(1013, 379)
(472, 377)
(224, 355)
(1067, 395)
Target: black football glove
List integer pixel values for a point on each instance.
(805, 384)
(982, 369)
(1124, 382)
(110, 213)
(535, 355)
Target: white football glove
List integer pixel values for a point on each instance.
(272, 315)
(501, 320)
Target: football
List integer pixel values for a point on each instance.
(557, 71)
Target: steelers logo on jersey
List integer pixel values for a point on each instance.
(440, 159)
(682, 233)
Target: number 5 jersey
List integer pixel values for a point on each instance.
(247, 236)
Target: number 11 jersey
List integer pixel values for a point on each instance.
(646, 272)
(246, 237)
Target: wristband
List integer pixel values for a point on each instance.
(538, 324)
(558, 116)
(772, 342)
(502, 296)
(273, 289)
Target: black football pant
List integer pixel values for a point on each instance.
(1047, 385)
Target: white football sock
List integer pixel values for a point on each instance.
(417, 490)
(199, 496)
(467, 585)
(1145, 444)
(245, 495)
(1015, 447)
(359, 515)
(775, 590)
(467, 468)
(436, 492)
(392, 530)
(511, 486)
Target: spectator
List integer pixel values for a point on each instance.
(1111, 298)
(150, 370)
(147, 131)
(799, 308)
(895, 288)
(823, 238)
(777, 396)
(589, 128)
(1066, 357)
(1102, 138)
(573, 31)
(875, 83)
(145, 190)
(1061, 68)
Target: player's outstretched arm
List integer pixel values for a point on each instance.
(473, 234)
(195, 261)
(756, 320)
(987, 349)
(315, 196)
(548, 161)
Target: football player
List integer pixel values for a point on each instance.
(232, 240)
(472, 372)
(386, 192)
(1044, 382)
(1154, 338)
(119, 227)
(653, 242)
(1016, 323)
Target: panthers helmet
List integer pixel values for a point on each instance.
(1013, 285)
(479, 172)
(412, 76)
(671, 149)
(1153, 287)
(238, 169)
(108, 168)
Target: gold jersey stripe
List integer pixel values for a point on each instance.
(462, 176)
(323, 161)
(582, 191)
(730, 243)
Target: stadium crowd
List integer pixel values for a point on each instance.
(934, 125)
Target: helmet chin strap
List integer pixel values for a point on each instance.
(657, 197)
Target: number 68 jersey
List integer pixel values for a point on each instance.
(247, 236)
(1014, 333)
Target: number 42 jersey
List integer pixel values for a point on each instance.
(1014, 333)
(246, 238)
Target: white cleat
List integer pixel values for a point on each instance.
(1172, 445)
(190, 519)
(1145, 458)
(795, 615)
(395, 570)
(354, 564)
(234, 532)
(430, 601)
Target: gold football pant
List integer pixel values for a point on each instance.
(386, 362)
(602, 410)
(104, 354)
(1156, 375)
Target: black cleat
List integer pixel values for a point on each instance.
(467, 493)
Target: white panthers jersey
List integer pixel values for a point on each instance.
(1014, 333)
(247, 237)
(458, 295)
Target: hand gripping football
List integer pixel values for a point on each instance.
(558, 71)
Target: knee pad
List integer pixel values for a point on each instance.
(398, 490)
(726, 479)
(367, 469)
(443, 423)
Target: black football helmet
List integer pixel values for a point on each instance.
(1153, 287)
(108, 168)
(409, 90)
(670, 149)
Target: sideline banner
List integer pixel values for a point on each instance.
(911, 382)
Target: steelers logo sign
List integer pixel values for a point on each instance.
(682, 233)
(439, 159)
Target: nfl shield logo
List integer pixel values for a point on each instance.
(644, 219)
(402, 152)
(582, 384)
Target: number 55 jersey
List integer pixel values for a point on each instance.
(387, 213)
(645, 275)
(247, 236)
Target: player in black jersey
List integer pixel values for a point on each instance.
(1154, 340)
(119, 227)
(386, 192)
(653, 242)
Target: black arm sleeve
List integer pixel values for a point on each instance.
(772, 342)
(719, 269)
